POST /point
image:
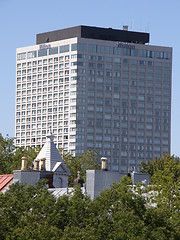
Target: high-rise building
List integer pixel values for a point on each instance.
(99, 89)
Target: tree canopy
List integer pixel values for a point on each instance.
(122, 212)
(10, 157)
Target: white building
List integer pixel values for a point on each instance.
(97, 88)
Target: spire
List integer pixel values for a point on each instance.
(50, 152)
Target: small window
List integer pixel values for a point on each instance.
(64, 48)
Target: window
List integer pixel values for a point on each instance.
(92, 48)
(21, 56)
(53, 50)
(117, 60)
(64, 48)
(100, 49)
(79, 47)
(109, 50)
(117, 51)
(73, 56)
(32, 54)
(42, 52)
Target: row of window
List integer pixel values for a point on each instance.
(43, 140)
(99, 81)
(132, 108)
(163, 128)
(50, 88)
(109, 69)
(93, 58)
(115, 120)
(49, 61)
(48, 82)
(116, 147)
(106, 131)
(144, 95)
(93, 48)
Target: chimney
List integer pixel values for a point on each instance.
(24, 163)
(79, 180)
(104, 164)
(43, 168)
(36, 165)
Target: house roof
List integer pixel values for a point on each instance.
(59, 192)
(5, 180)
(51, 154)
(61, 167)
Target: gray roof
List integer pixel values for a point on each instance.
(59, 192)
(51, 154)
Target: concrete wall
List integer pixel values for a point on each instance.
(56, 180)
(26, 177)
(140, 177)
(60, 181)
(97, 180)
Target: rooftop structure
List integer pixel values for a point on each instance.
(57, 175)
(98, 33)
(51, 154)
(98, 180)
(47, 165)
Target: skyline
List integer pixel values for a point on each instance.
(25, 32)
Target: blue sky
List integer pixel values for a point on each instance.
(21, 20)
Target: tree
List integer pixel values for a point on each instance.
(118, 213)
(6, 153)
(10, 157)
(122, 212)
(83, 162)
(26, 213)
(159, 164)
(164, 186)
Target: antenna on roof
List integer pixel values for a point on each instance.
(147, 28)
(125, 27)
(132, 25)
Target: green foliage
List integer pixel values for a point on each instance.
(30, 153)
(26, 213)
(118, 213)
(159, 164)
(165, 184)
(6, 153)
(83, 162)
(10, 158)
(122, 212)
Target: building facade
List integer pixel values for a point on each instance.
(100, 89)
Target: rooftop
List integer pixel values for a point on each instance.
(5, 180)
(93, 33)
(52, 155)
